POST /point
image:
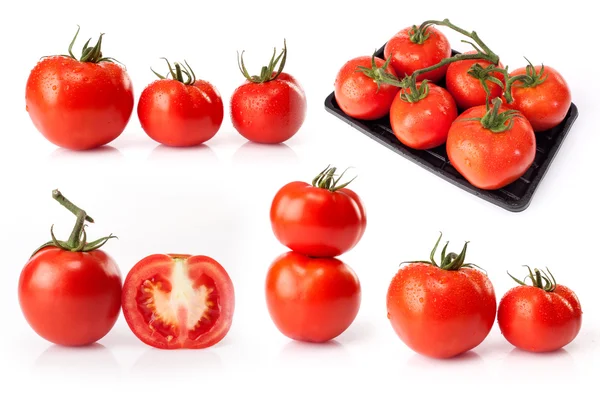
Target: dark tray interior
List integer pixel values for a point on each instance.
(514, 197)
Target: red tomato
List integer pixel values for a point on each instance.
(540, 318)
(360, 88)
(487, 159)
(544, 99)
(79, 105)
(181, 111)
(318, 219)
(269, 108)
(312, 299)
(467, 90)
(412, 49)
(178, 301)
(423, 124)
(441, 311)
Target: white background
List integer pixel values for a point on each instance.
(214, 200)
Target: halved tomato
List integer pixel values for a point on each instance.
(173, 301)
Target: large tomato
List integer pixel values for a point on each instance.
(178, 301)
(442, 310)
(491, 149)
(361, 90)
(269, 108)
(312, 299)
(416, 48)
(79, 104)
(539, 318)
(423, 123)
(322, 219)
(181, 111)
(468, 90)
(542, 95)
(69, 291)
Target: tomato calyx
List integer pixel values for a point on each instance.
(327, 179)
(267, 73)
(530, 79)
(91, 54)
(77, 242)
(178, 73)
(539, 279)
(448, 261)
(414, 93)
(419, 34)
(379, 74)
(496, 121)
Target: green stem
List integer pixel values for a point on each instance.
(57, 195)
(77, 232)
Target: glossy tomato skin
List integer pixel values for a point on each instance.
(317, 222)
(270, 112)
(467, 90)
(438, 313)
(312, 299)
(423, 124)
(407, 57)
(545, 105)
(358, 95)
(174, 301)
(486, 159)
(180, 115)
(70, 298)
(532, 319)
(79, 105)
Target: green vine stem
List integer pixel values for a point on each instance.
(539, 279)
(91, 54)
(496, 121)
(178, 72)
(77, 241)
(267, 73)
(327, 179)
(531, 78)
(379, 74)
(448, 261)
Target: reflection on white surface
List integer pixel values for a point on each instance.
(101, 153)
(522, 367)
(264, 154)
(156, 363)
(202, 154)
(77, 362)
(303, 355)
(470, 359)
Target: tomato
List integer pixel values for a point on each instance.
(468, 90)
(543, 97)
(181, 111)
(178, 301)
(361, 90)
(79, 104)
(70, 292)
(312, 299)
(414, 48)
(322, 219)
(539, 318)
(491, 151)
(423, 124)
(269, 108)
(441, 311)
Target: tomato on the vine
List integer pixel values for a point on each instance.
(539, 318)
(181, 111)
(421, 121)
(442, 310)
(70, 291)
(321, 219)
(173, 301)
(312, 299)
(362, 88)
(465, 83)
(79, 104)
(541, 94)
(269, 108)
(415, 48)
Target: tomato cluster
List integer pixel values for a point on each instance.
(445, 309)
(85, 103)
(485, 116)
(312, 296)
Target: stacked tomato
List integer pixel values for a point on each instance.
(85, 103)
(485, 116)
(312, 296)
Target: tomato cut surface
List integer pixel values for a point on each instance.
(178, 301)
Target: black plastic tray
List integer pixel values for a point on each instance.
(515, 197)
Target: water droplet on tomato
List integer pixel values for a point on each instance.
(389, 316)
(54, 87)
(421, 300)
